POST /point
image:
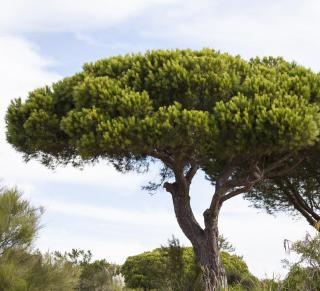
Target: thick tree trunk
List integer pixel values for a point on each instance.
(213, 272)
(204, 241)
(208, 256)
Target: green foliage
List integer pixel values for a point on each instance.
(225, 245)
(19, 221)
(50, 271)
(200, 102)
(144, 271)
(181, 270)
(302, 279)
(21, 270)
(97, 276)
(305, 273)
(94, 276)
(237, 272)
(201, 108)
(268, 285)
(175, 264)
(296, 193)
(174, 268)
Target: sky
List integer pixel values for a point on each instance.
(98, 208)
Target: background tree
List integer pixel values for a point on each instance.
(175, 264)
(225, 245)
(305, 273)
(19, 221)
(182, 272)
(242, 122)
(21, 271)
(297, 193)
(21, 268)
(95, 275)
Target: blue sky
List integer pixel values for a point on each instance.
(98, 208)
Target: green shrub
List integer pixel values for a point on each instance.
(165, 269)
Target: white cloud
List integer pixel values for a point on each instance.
(69, 15)
(148, 217)
(249, 28)
(22, 68)
(101, 247)
(91, 41)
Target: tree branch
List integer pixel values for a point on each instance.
(277, 164)
(236, 192)
(285, 170)
(164, 157)
(220, 189)
(191, 172)
(183, 211)
(170, 187)
(300, 200)
(292, 199)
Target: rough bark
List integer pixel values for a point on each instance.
(208, 256)
(213, 270)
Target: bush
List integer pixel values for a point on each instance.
(175, 268)
(22, 271)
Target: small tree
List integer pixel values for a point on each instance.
(19, 221)
(241, 122)
(94, 275)
(175, 265)
(305, 273)
(21, 268)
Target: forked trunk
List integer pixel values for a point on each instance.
(204, 241)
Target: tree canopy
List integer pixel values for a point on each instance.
(204, 105)
(199, 103)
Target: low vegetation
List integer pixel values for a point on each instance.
(168, 268)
